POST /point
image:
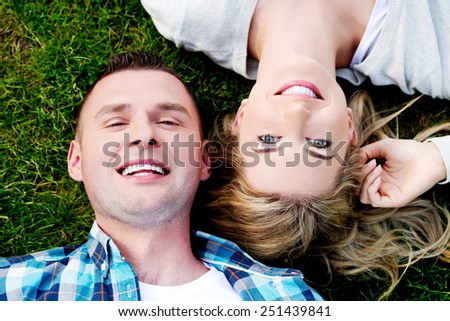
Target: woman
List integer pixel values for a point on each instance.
(350, 237)
(295, 140)
(293, 49)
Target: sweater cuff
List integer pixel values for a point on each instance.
(443, 145)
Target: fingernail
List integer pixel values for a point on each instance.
(371, 163)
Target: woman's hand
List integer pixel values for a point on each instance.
(410, 168)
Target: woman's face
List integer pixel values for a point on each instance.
(294, 131)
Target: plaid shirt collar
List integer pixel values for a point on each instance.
(97, 270)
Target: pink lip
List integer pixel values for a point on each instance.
(302, 83)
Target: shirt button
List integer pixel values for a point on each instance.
(129, 290)
(103, 266)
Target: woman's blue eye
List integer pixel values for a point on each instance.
(319, 143)
(268, 139)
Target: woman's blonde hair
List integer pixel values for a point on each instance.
(350, 237)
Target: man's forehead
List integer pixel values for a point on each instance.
(161, 86)
(141, 79)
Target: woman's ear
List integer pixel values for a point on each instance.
(239, 115)
(74, 161)
(352, 134)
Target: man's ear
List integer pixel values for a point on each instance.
(352, 134)
(239, 115)
(74, 161)
(206, 162)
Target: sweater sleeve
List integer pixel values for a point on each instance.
(412, 50)
(218, 28)
(443, 145)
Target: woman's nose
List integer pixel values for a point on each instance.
(296, 115)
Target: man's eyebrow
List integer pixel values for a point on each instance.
(113, 108)
(167, 106)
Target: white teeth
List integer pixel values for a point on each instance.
(299, 90)
(142, 167)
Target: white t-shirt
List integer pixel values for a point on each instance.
(371, 33)
(211, 286)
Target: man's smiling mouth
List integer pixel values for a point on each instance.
(141, 169)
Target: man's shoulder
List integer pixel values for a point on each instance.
(38, 276)
(37, 260)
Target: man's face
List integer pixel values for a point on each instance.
(140, 152)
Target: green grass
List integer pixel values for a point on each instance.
(51, 51)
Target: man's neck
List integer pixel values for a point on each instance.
(326, 31)
(159, 256)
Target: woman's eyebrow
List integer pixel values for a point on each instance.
(319, 156)
(265, 149)
(310, 152)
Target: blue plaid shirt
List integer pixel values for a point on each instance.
(96, 270)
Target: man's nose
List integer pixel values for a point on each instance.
(143, 132)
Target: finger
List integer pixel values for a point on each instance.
(369, 167)
(367, 183)
(374, 150)
(373, 192)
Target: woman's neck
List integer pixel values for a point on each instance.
(326, 31)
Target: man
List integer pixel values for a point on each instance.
(140, 152)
